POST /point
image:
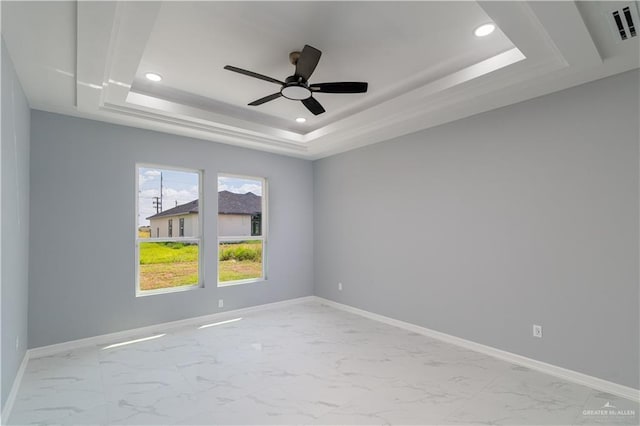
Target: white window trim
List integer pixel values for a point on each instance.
(199, 239)
(263, 237)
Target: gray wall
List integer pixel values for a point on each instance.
(522, 215)
(82, 276)
(15, 222)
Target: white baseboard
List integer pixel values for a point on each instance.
(553, 370)
(11, 399)
(154, 329)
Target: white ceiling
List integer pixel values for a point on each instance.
(423, 63)
(416, 46)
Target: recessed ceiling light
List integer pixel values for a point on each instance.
(301, 119)
(153, 76)
(484, 30)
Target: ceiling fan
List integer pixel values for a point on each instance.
(297, 87)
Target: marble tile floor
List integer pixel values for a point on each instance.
(301, 364)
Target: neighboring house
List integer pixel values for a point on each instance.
(238, 215)
(180, 221)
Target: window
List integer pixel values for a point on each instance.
(256, 224)
(241, 229)
(164, 262)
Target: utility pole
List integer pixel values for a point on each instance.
(157, 203)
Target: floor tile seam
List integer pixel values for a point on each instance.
(583, 406)
(474, 395)
(104, 386)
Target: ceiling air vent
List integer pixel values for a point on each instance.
(625, 22)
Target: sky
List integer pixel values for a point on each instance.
(181, 187)
(239, 185)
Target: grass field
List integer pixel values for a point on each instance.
(164, 265)
(240, 261)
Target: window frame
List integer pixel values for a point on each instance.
(264, 228)
(199, 239)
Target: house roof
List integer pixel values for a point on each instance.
(228, 203)
(191, 207)
(232, 203)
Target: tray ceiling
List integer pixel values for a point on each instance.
(422, 60)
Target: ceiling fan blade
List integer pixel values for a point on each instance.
(265, 99)
(313, 106)
(341, 87)
(307, 61)
(253, 74)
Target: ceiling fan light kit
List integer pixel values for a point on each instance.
(296, 87)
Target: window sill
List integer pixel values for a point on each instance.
(240, 282)
(143, 293)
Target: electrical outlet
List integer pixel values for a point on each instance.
(339, 286)
(537, 331)
(220, 303)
